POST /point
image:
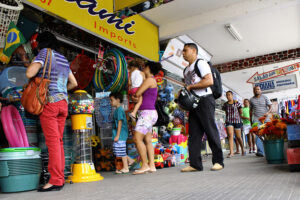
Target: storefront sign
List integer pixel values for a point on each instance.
(279, 83)
(134, 33)
(274, 73)
(121, 4)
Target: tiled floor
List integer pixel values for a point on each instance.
(243, 178)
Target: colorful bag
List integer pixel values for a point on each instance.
(35, 94)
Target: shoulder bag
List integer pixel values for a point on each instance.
(35, 94)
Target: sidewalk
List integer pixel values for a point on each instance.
(243, 178)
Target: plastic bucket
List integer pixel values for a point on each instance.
(274, 151)
(176, 131)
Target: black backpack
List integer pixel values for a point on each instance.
(163, 118)
(216, 88)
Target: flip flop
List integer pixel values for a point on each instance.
(229, 156)
(122, 172)
(137, 172)
(133, 118)
(236, 152)
(152, 171)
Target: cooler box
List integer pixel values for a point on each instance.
(293, 133)
(293, 157)
(20, 169)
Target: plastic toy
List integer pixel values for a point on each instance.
(180, 142)
(95, 140)
(171, 117)
(13, 127)
(159, 79)
(177, 121)
(158, 149)
(182, 128)
(164, 157)
(169, 89)
(172, 106)
(170, 126)
(163, 95)
(167, 110)
(159, 161)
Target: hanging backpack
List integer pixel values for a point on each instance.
(163, 118)
(216, 88)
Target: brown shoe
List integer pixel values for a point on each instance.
(216, 167)
(189, 169)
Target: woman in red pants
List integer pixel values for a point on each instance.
(55, 111)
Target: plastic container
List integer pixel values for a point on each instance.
(176, 131)
(20, 169)
(12, 77)
(80, 102)
(274, 151)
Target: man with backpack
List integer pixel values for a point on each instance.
(205, 83)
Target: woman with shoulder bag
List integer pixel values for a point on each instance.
(55, 111)
(234, 123)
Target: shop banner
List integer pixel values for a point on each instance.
(134, 33)
(279, 83)
(274, 73)
(121, 4)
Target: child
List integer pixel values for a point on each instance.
(136, 79)
(120, 132)
(247, 126)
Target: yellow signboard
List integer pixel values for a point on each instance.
(121, 4)
(134, 33)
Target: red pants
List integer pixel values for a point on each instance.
(53, 120)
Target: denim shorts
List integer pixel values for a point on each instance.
(235, 125)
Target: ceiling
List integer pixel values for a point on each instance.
(266, 25)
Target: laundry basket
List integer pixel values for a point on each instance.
(9, 11)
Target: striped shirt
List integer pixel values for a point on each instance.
(60, 70)
(232, 112)
(259, 106)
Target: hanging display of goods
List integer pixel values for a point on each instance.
(111, 73)
(83, 70)
(9, 11)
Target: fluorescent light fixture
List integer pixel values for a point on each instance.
(233, 32)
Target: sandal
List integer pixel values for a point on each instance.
(122, 171)
(236, 152)
(229, 156)
(137, 172)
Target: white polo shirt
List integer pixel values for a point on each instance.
(191, 78)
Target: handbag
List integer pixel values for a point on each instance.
(35, 94)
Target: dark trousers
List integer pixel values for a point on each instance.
(202, 120)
